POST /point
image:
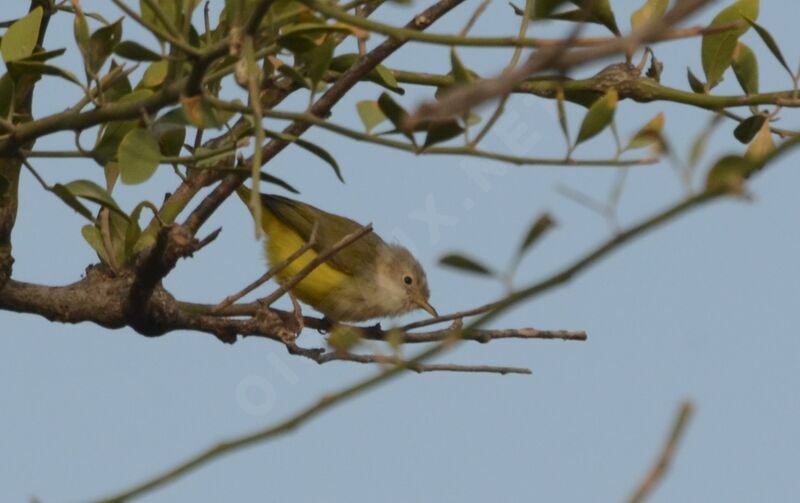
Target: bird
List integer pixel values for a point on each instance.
(368, 279)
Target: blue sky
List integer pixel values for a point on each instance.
(704, 309)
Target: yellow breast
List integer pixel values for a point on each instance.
(281, 242)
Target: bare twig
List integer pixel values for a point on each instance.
(317, 261)
(231, 299)
(657, 472)
(420, 368)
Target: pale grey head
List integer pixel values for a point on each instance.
(396, 285)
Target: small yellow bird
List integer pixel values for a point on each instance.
(365, 280)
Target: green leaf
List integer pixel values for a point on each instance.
(320, 60)
(370, 114)
(67, 197)
(134, 231)
(155, 74)
(297, 43)
(748, 128)
(385, 78)
(396, 114)
(20, 38)
(199, 113)
(729, 174)
(42, 56)
(89, 190)
(120, 88)
(745, 67)
(694, 83)
(562, 115)
(171, 8)
(343, 338)
(542, 224)
(460, 72)
(310, 147)
(101, 45)
(22, 67)
(762, 145)
(93, 236)
(463, 263)
(170, 137)
(441, 131)
(379, 75)
(542, 9)
(134, 51)
(770, 42)
(600, 12)
(274, 180)
(81, 30)
(649, 134)
(139, 155)
(294, 75)
(650, 11)
(112, 134)
(718, 48)
(598, 117)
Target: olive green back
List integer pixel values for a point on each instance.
(358, 257)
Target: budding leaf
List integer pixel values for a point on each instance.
(762, 145)
(542, 224)
(649, 134)
(463, 263)
(745, 67)
(694, 83)
(599, 116)
(370, 114)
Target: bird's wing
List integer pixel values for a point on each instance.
(301, 217)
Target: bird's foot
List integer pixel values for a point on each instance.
(326, 325)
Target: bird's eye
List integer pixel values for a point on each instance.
(407, 280)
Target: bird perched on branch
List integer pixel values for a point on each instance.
(367, 279)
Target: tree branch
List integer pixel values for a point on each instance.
(461, 99)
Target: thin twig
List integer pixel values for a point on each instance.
(435, 150)
(418, 367)
(657, 472)
(231, 299)
(456, 101)
(317, 261)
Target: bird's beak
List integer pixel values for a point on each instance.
(423, 304)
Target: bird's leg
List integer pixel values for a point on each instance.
(298, 313)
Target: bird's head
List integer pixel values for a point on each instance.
(402, 281)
